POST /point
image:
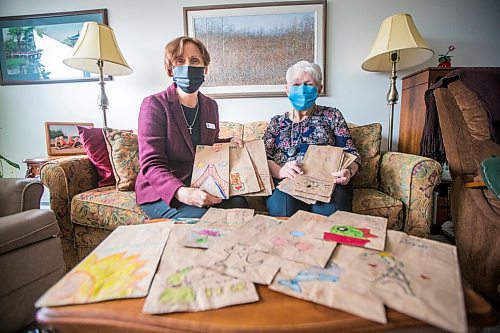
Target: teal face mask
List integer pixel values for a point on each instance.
(302, 97)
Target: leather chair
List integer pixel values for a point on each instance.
(30, 251)
(467, 105)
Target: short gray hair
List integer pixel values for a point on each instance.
(305, 67)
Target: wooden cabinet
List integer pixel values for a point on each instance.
(413, 110)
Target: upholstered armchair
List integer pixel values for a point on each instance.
(467, 106)
(30, 251)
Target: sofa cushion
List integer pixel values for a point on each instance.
(376, 203)
(367, 140)
(230, 129)
(124, 156)
(106, 208)
(95, 147)
(254, 130)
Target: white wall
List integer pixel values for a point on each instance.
(143, 27)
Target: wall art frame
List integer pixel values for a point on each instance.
(32, 47)
(62, 138)
(252, 45)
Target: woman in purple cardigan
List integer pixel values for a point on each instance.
(171, 124)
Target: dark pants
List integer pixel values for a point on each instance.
(159, 209)
(282, 204)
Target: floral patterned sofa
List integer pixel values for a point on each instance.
(393, 185)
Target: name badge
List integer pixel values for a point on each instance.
(210, 126)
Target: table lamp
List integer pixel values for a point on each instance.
(398, 44)
(96, 51)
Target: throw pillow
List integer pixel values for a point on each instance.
(255, 130)
(230, 129)
(124, 156)
(95, 147)
(367, 140)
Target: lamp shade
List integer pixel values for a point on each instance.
(397, 33)
(97, 42)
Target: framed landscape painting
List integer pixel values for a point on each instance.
(32, 47)
(63, 138)
(252, 45)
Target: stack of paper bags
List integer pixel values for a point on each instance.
(317, 183)
(226, 170)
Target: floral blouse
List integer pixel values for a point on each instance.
(325, 126)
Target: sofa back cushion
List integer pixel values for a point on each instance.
(124, 156)
(367, 139)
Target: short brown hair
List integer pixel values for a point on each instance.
(175, 48)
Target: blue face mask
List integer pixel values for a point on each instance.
(303, 97)
(189, 78)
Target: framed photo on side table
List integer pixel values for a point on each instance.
(252, 45)
(63, 138)
(32, 47)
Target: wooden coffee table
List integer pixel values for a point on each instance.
(274, 312)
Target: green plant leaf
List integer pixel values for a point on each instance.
(12, 164)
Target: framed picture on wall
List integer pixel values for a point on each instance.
(32, 47)
(252, 45)
(63, 138)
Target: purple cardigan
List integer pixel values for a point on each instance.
(166, 153)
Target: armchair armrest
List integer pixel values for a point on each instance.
(411, 179)
(65, 178)
(19, 194)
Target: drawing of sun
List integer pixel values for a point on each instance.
(200, 165)
(94, 279)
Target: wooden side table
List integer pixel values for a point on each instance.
(34, 165)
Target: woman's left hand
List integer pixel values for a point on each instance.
(342, 177)
(237, 141)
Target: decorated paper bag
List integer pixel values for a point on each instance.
(257, 153)
(240, 261)
(299, 239)
(287, 186)
(211, 169)
(321, 285)
(122, 266)
(180, 285)
(242, 175)
(215, 224)
(253, 230)
(415, 276)
(358, 230)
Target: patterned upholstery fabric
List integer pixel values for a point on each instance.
(367, 140)
(124, 156)
(87, 214)
(375, 203)
(228, 130)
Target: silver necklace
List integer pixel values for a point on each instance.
(190, 127)
(292, 150)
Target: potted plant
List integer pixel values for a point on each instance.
(445, 59)
(9, 162)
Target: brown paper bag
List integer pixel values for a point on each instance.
(415, 276)
(211, 169)
(214, 225)
(243, 178)
(122, 266)
(257, 153)
(321, 285)
(180, 285)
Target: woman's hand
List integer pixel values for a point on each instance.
(237, 141)
(196, 197)
(290, 170)
(342, 177)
